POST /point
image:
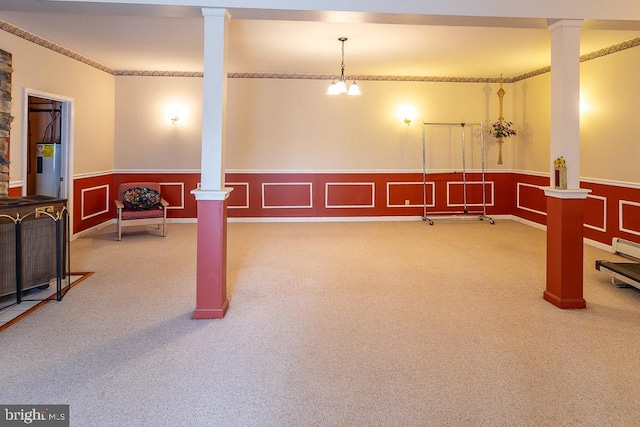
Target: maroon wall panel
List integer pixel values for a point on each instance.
(610, 210)
(92, 201)
(176, 189)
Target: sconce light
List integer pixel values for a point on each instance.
(174, 113)
(585, 106)
(406, 114)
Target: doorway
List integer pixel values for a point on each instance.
(47, 146)
(44, 147)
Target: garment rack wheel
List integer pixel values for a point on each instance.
(424, 218)
(491, 221)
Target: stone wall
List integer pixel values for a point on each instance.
(5, 119)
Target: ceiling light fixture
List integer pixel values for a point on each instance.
(340, 87)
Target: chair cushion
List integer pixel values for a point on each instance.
(137, 214)
(140, 198)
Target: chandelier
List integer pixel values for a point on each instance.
(340, 87)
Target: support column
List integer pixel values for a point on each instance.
(565, 217)
(211, 276)
(211, 284)
(565, 208)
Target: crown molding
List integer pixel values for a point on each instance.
(140, 73)
(30, 37)
(365, 77)
(19, 32)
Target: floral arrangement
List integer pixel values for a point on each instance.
(502, 129)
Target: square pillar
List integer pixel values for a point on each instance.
(211, 276)
(565, 216)
(565, 208)
(211, 286)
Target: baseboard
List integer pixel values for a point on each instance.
(529, 223)
(182, 220)
(590, 242)
(328, 219)
(599, 245)
(93, 229)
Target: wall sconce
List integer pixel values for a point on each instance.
(174, 113)
(406, 114)
(585, 106)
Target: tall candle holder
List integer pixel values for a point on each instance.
(502, 128)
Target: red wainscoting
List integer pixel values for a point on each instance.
(175, 188)
(94, 196)
(15, 192)
(93, 201)
(530, 201)
(364, 194)
(610, 210)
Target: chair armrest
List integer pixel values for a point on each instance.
(119, 204)
(164, 203)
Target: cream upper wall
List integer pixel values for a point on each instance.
(609, 119)
(531, 101)
(92, 91)
(293, 125)
(145, 137)
(609, 91)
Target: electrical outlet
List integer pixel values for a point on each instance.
(406, 202)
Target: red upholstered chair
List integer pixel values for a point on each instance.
(140, 203)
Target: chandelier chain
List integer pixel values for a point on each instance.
(342, 39)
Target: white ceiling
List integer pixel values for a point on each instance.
(155, 38)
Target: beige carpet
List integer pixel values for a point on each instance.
(331, 324)
(34, 299)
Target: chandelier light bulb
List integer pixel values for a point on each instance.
(354, 89)
(333, 89)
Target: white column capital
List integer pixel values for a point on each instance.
(212, 194)
(216, 11)
(580, 193)
(565, 23)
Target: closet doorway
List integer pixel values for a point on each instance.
(47, 145)
(44, 147)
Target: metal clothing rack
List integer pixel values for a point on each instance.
(465, 215)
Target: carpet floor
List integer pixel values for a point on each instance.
(331, 324)
(34, 299)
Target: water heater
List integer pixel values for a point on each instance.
(48, 168)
